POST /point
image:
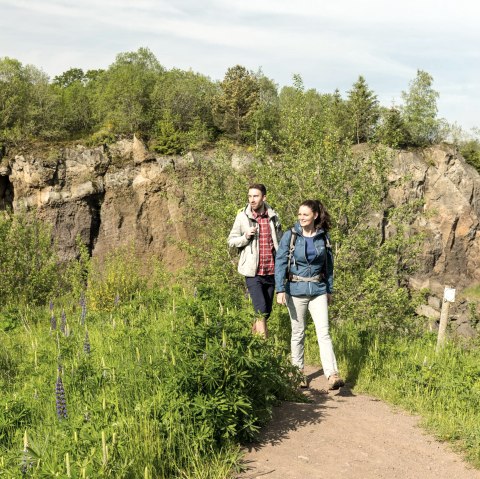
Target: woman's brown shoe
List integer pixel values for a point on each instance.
(335, 382)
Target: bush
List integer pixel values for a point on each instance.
(115, 279)
(28, 259)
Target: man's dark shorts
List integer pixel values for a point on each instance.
(261, 290)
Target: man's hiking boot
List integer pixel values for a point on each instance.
(335, 382)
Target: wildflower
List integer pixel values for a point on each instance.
(51, 306)
(60, 402)
(86, 343)
(63, 323)
(117, 300)
(53, 323)
(83, 304)
(25, 464)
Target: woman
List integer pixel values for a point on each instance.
(304, 280)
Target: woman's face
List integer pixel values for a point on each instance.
(306, 217)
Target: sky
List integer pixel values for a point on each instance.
(329, 44)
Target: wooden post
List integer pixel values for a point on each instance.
(448, 297)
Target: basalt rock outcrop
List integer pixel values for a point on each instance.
(121, 194)
(449, 190)
(107, 196)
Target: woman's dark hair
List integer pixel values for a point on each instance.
(323, 218)
(258, 186)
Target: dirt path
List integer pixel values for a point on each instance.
(344, 434)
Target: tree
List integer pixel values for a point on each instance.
(419, 111)
(70, 76)
(14, 96)
(265, 119)
(123, 92)
(364, 110)
(186, 95)
(336, 123)
(392, 130)
(236, 103)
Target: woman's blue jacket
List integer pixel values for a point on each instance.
(299, 265)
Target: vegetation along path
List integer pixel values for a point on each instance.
(344, 434)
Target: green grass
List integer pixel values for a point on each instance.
(472, 293)
(172, 385)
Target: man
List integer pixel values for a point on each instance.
(257, 232)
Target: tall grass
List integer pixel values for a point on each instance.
(167, 387)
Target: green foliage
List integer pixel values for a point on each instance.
(236, 103)
(392, 130)
(71, 76)
(78, 270)
(167, 140)
(420, 110)
(117, 278)
(186, 96)
(137, 95)
(364, 112)
(470, 150)
(123, 92)
(170, 385)
(28, 260)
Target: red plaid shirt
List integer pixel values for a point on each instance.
(266, 263)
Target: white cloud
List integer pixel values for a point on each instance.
(328, 43)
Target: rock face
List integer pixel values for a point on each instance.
(122, 194)
(449, 189)
(109, 197)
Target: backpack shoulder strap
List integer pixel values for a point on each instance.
(291, 249)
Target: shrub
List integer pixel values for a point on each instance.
(116, 278)
(28, 259)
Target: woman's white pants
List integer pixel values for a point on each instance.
(318, 307)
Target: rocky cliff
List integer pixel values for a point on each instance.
(116, 195)
(449, 190)
(108, 196)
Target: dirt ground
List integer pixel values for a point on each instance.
(344, 434)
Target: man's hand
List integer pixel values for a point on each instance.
(251, 232)
(281, 298)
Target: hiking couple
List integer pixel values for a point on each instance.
(299, 265)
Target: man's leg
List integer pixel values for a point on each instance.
(255, 286)
(268, 289)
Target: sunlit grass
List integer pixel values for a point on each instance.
(169, 387)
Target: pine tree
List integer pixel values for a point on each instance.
(364, 110)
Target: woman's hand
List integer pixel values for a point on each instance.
(281, 298)
(329, 298)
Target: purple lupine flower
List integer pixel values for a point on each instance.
(63, 323)
(51, 306)
(86, 343)
(195, 292)
(83, 304)
(117, 300)
(60, 401)
(53, 323)
(83, 314)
